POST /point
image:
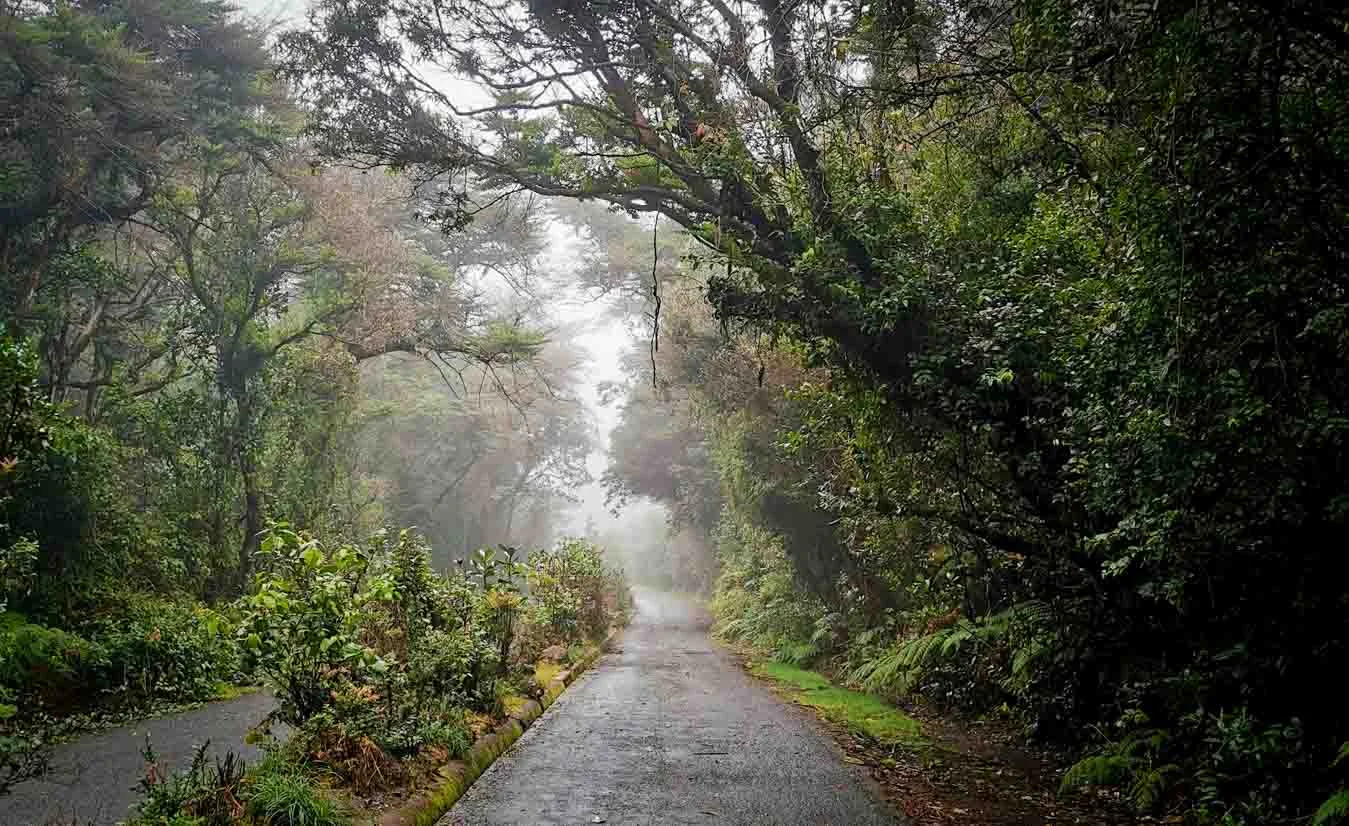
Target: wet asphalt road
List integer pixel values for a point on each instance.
(669, 730)
(91, 781)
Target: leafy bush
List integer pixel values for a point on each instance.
(47, 664)
(757, 600)
(159, 648)
(572, 594)
(455, 665)
(302, 620)
(376, 659)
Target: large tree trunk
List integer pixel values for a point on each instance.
(242, 447)
(252, 515)
(248, 471)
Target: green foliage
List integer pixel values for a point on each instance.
(157, 648)
(573, 594)
(63, 526)
(1135, 762)
(376, 659)
(146, 650)
(46, 662)
(301, 622)
(224, 794)
(207, 794)
(1020, 631)
(499, 568)
(758, 600)
(1247, 766)
(864, 713)
(1334, 810)
(278, 798)
(454, 665)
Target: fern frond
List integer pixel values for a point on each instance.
(957, 635)
(888, 672)
(1344, 753)
(1098, 770)
(1150, 785)
(1334, 810)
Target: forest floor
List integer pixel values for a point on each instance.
(938, 770)
(92, 780)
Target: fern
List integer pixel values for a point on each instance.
(796, 653)
(898, 669)
(1334, 810)
(1151, 784)
(1130, 762)
(1098, 770)
(1344, 754)
(888, 671)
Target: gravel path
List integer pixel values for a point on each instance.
(669, 730)
(92, 780)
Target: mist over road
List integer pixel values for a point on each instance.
(669, 730)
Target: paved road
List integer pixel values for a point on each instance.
(92, 780)
(669, 730)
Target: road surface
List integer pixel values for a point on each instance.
(669, 730)
(92, 781)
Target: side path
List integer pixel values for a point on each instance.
(93, 779)
(669, 730)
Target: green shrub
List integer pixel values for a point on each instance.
(554, 609)
(302, 620)
(572, 595)
(452, 735)
(757, 599)
(456, 665)
(47, 664)
(289, 798)
(160, 649)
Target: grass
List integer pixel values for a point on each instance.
(866, 713)
(230, 691)
(545, 673)
(286, 799)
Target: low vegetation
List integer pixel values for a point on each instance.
(865, 713)
(386, 671)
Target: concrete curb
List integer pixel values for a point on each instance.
(456, 777)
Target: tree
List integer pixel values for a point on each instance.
(103, 97)
(1074, 269)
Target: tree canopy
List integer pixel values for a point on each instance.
(1074, 270)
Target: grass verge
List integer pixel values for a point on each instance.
(865, 713)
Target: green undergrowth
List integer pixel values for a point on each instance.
(513, 704)
(546, 672)
(861, 712)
